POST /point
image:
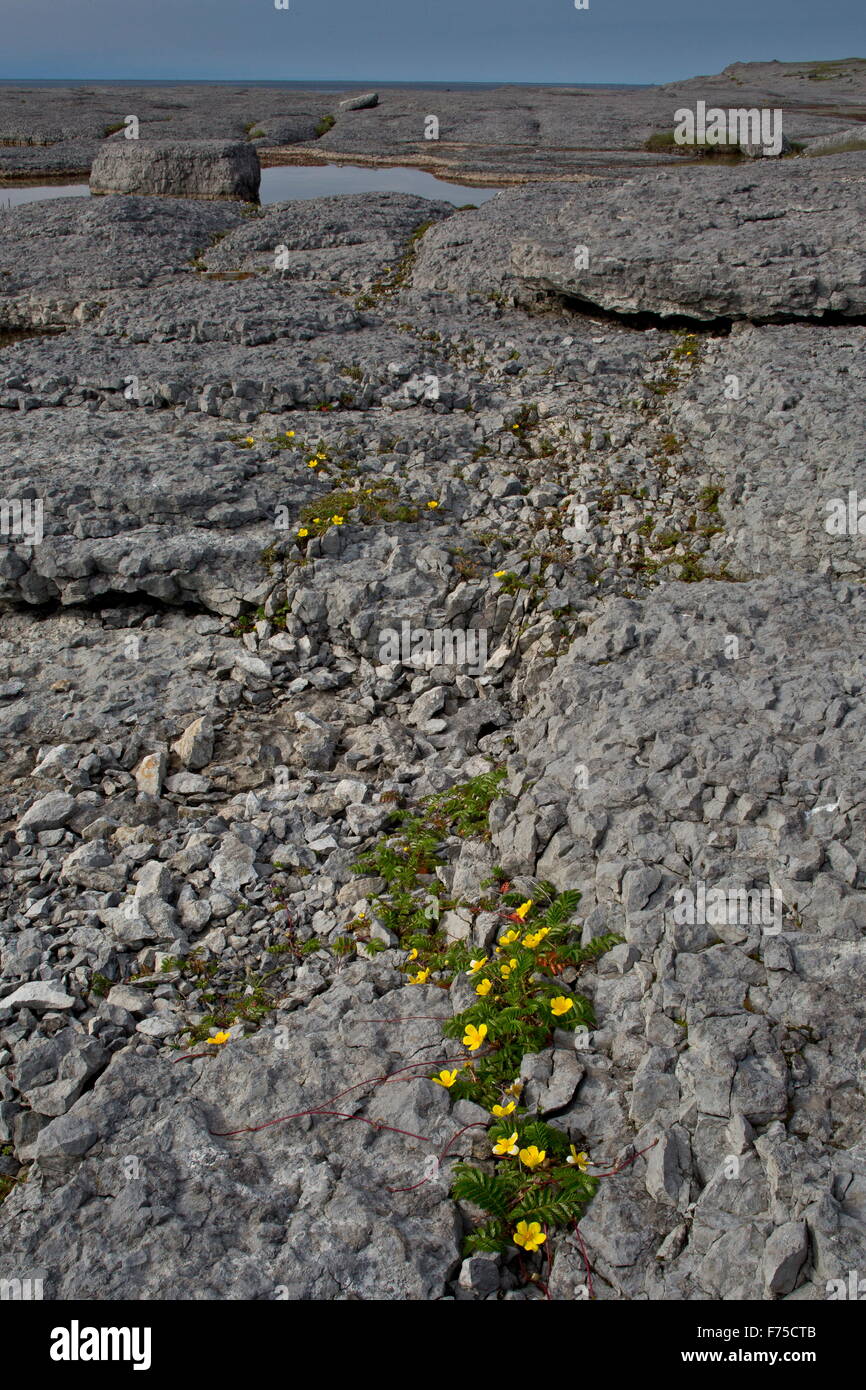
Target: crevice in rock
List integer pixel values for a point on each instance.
(112, 600)
(8, 336)
(716, 327)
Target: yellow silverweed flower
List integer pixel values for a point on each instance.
(337, 520)
(316, 520)
(474, 1037)
(249, 439)
(413, 954)
(533, 1157)
(421, 978)
(313, 463)
(303, 532)
(499, 574)
(522, 910)
(500, 1111)
(530, 1235)
(509, 936)
(484, 987)
(321, 457)
(515, 1089)
(290, 434)
(560, 1005)
(477, 965)
(218, 1039)
(506, 1146)
(580, 1160)
(446, 1078)
(432, 505)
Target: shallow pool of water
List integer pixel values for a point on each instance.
(324, 180)
(37, 193)
(297, 181)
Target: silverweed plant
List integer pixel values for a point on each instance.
(407, 861)
(535, 1181)
(538, 1181)
(521, 995)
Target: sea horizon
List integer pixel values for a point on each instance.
(313, 84)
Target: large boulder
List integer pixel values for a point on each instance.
(362, 102)
(179, 169)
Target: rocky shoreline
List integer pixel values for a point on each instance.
(614, 427)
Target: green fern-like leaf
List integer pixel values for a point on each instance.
(492, 1237)
(485, 1190)
(562, 909)
(549, 1210)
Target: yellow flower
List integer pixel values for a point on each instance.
(314, 463)
(315, 521)
(508, 938)
(446, 1078)
(484, 987)
(515, 1089)
(249, 439)
(477, 965)
(474, 1037)
(321, 457)
(515, 427)
(432, 506)
(506, 1146)
(560, 1005)
(500, 1111)
(522, 910)
(421, 978)
(535, 938)
(337, 520)
(581, 1160)
(530, 1235)
(507, 969)
(499, 574)
(218, 1039)
(413, 954)
(290, 434)
(533, 1157)
(303, 532)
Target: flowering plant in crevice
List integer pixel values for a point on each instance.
(536, 1179)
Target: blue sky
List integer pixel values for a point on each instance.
(418, 40)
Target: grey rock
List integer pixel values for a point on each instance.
(177, 169)
(195, 746)
(49, 812)
(362, 102)
(784, 1256)
(39, 995)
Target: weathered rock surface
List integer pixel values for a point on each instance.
(507, 133)
(174, 169)
(203, 721)
(763, 243)
(283, 1213)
